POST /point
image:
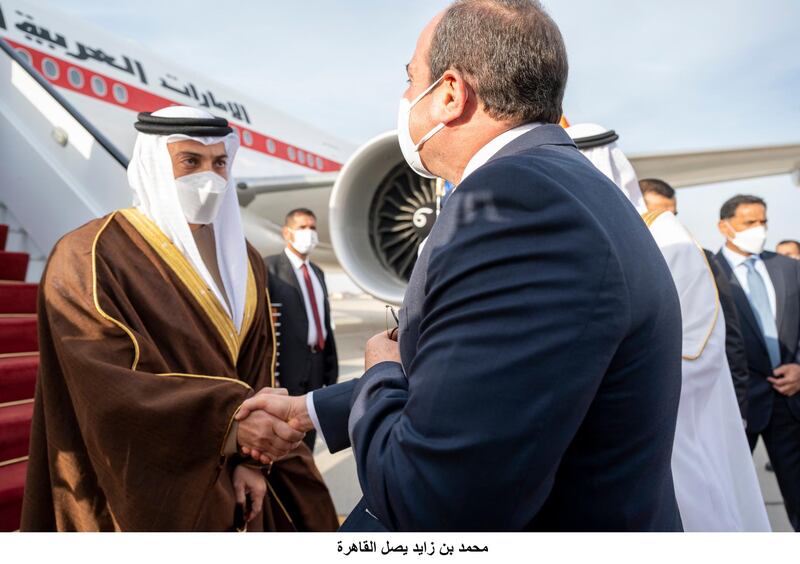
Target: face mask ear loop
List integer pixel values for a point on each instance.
(416, 100)
(436, 129)
(430, 134)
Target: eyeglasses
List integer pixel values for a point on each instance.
(390, 309)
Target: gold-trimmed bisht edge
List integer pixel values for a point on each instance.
(280, 503)
(193, 282)
(716, 305)
(250, 304)
(228, 430)
(650, 218)
(102, 313)
(205, 377)
(274, 339)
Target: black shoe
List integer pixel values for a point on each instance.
(768, 467)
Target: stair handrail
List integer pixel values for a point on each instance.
(101, 139)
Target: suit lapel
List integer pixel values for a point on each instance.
(776, 275)
(742, 303)
(287, 275)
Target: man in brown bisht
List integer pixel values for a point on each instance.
(154, 327)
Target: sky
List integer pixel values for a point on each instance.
(667, 76)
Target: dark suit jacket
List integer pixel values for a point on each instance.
(541, 362)
(785, 275)
(295, 368)
(734, 342)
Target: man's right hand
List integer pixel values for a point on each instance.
(265, 437)
(291, 420)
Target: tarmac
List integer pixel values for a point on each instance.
(356, 319)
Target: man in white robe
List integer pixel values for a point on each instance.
(715, 481)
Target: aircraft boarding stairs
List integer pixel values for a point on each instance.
(19, 361)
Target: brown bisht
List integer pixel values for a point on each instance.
(141, 374)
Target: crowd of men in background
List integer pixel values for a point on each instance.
(758, 292)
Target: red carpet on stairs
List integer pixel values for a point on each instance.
(13, 266)
(18, 297)
(18, 334)
(15, 430)
(19, 362)
(12, 485)
(18, 377)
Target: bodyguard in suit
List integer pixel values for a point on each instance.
(306, 346)
(766, 288)
(536, 380)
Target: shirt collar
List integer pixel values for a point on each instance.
(492, 147)
(296, 261)
(735, 259)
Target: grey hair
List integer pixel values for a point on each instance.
(511, 53)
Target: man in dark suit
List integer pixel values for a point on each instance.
(307, 351)
(766, 288)
(536, 381)
(734, 341)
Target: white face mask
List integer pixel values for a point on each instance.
(201, 196)
(305, 241)
(750, 240)
(407, 146)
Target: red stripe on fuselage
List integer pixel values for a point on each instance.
(140, 100)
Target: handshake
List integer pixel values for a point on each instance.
(272, 424)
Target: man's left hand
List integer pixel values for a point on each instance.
(381, 348)
(787, 380)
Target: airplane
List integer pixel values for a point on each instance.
(70, 94)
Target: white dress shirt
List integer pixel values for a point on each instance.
(740, 270)
(492, 147)
(297, 263)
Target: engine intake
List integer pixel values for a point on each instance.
(380, 212)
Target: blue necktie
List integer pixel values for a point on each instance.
(759, 301)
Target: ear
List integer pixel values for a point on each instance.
(724, 228)
(287, 234)
(451, 98)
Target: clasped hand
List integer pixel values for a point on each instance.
(786, 380)
(272, 424)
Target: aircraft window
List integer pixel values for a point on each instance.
(320, 164)
(301, 157)
(25, 55)
(50, 68)
(75, 77)
(271, 146)
(99, 86)
(291, 152)
(120, 93)
(248, 138)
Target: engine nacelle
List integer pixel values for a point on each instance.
(380, 212)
